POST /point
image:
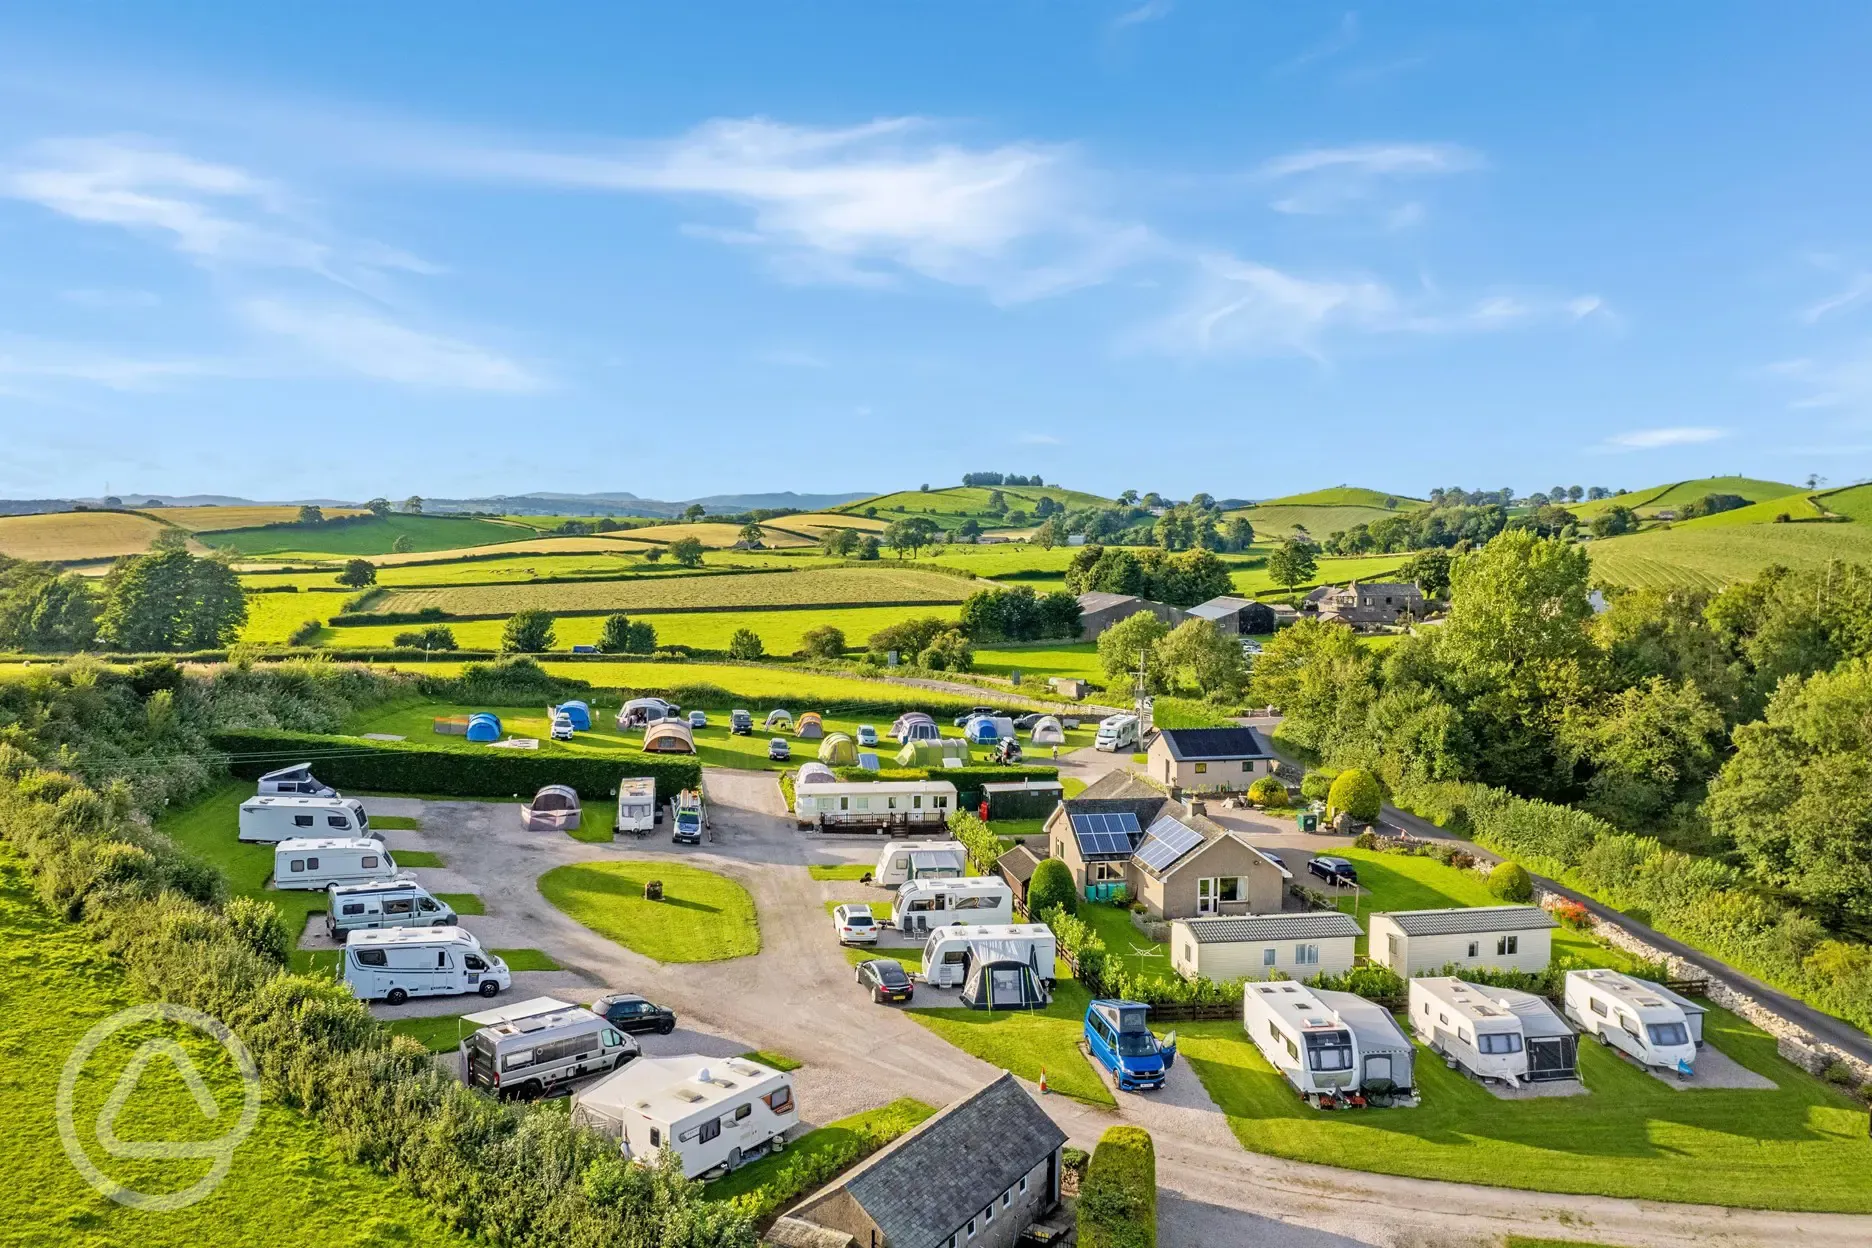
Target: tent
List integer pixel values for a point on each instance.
(1047, 731)
(901, 729)
(921, 730)
(779, 718)
(640, 711)
(810, 727)
(554, 808)
(931, 753)
(982, 730)
(578, 712)
(484, 728)
(814, 773)
(668, 736)
(837, 750)
(1003, 984)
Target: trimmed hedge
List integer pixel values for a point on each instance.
(351, 619)
(450, 770)
(1118, 1197)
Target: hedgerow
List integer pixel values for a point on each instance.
(1118, 1196)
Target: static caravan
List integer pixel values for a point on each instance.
(903, 861)
(1646, 1021)
(1298, 944)
(1470, 1026)
(327, 861)
(399, 963)
(280, 817)
(636, 808)
(1507, 938)
(396, 903)
(710, 1111)
(951, 951)
(980, 900)
(863, 805)
(296, 780)
(1302, 1037)
(530, 1048)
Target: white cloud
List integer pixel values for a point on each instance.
(1149, 11)
(362, 342)
(30, 359)
(1657, 439)
(1320, 180)
(1853, 293)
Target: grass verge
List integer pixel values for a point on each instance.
(1029, 1042)
(763, 1188)
(703, 917)
(779, 1061)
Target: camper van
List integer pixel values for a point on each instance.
(950, 951)
(294, 781)
(1644, 1020)
(532, 1047)
(690, 817)
(319, 864)
(740, 723)
(876, 805)
(280, 818)
(394, 903)
(1119, 732)
(1118, 1038)
(1470, 1027)
(979, 900)
(903, 861)
(711, 1112)
(403, 962)
(636, 811)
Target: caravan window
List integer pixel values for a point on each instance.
(516, 1060)
(1597, 1006)
(656, 1138)
(1508, 944)
(442, 961)
(742, 1111)
(1269, 956)
(1503, 1042)
(353, 907)
(780, 1102)
(372, 957)
(370, 862)
(337, 821)
(1667, 1033)
(956, 957)
(942, 800)
(916, 802)
(974, 903)
(311, 864)
(711, 1129)
(302, 821)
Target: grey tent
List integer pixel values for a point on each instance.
(901, 730)
(779, 717)
(1004, 984)
(1047, 732)
(554, 808)
(814, 773)
(1385, 1052)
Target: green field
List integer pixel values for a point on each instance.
(480, 570)
(1852, 500)
(1346, 496)
(1709, 558)
(376, 536)
(1254, 582)
(1028, 1042)
(703, 917)
(810, 588)
(1793, 506)
(780, 631)
(1319, 521)
(209, 828)
(950, 506)
(1036, 663)
(273, 617)
(1675, 494)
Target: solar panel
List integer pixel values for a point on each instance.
(1102, 834)
(1167, 841)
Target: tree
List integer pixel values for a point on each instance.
(907, 637)
(1129, 498)
(308, 514)
(41, 610)
(997, 503)
(653, 554)
(1292, 563)
(842, 543)
(403, 544)
(1430, 571)
(1051, 888)
(1197, 655)
(642, 638)
(745, 644)
(1510, 882)
(1060, 615)
(169, 540)
(969, 529)
(1613, 521)
(358, 573)
(912, 533)
(1193, 577)
(1050, 534)
(1121, 646)
(172, 601)
(614, 634)
(1240, 533)
(379, 507)
(694, 512)
(924, 488)
(825, 642)
(528, 632)
(1355, 791)
(434, 637)
(868, 549)
(751, 533)
(1646, 748)
(686, 551)
(413, 504)
(948, 652)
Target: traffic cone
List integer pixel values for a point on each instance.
(1043, 1085)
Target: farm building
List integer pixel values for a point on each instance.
(1209, 760)
(483, 728)
(838, 750)
(1508, 938)
(1298, 945)
(668, 736)
(1236, 617)
(1283, 615)
(1378, 604)
(1099, 611)
(1021, 799)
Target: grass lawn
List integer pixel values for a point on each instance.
(703, 917)
(417, 858)
(1802, 1145)
(1036, 663)
(439, 1033)
(769, 1185)
(847, 871)
(526, 959)
(395, 823)
(1015, 828)
(1138, 952)
(463, 903)
(1028, 1042)
(210, 829)
(275, 617)
(779, 1061)
(599, 833)
(911, 959)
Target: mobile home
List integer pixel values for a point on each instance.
(393, 903)
(399, 963)
(710, 1111)
(280, 817)
(951, 951)
(1644, 1020)
(636, 808)
(903, 861)
(1302, 1038)
(1507, 938)
(296, 780)
(321, 863)
(863, 804)
(980, 900)
(1471, 1026)
(532, 1047)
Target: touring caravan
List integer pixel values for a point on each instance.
(1118, 732)
(530, 1048)
(280, 817)
(1470, 1027)
(636, 808)
(319, 864)
(710, 1111)
(294, 781)
(951, 951)
(866, 804)
(903, 861)
(393, 903)
(980, 900)
(1644, 1020)
(404, 962)
(1301, 1037)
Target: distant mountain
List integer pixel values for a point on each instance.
(542, 503)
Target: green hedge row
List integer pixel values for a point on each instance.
(968, 780)
(354, 619)
(350, 620)
(449, 770)
(1118, 1198)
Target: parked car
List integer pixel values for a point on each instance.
(1026, 722)
(973, 711)
(867, 735)
(1274, 858)
(854, 924)
(778, 750)
(627, 1011)
(1334, 870)
(741, 723)
(562, 728)
(885, 980)
(698, 719)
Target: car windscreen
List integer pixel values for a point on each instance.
(1136, 1044)
(1667, 1034)
(858, 920)
(892, 974)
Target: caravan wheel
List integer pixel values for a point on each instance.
(396, 996)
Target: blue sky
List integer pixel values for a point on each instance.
(680, 250)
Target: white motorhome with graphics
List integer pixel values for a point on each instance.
(1117, 732)
(710, 1111)
(1644, 1020)
(393, 903)
(281, 817)
(926, 903)
(636, 811)
(297, 779)
(951, 951)
(530, 1048)
(325, 861)
(1470, 1027)
(398, 963)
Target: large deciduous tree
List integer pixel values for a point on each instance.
(528, 632)
(1121, 646)
(1292, 563)
(172, 601)
(1198, 656)
(41, 610)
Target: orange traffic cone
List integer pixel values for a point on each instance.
(1043, 1085)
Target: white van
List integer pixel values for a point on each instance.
(1118, 732)
(980, 900)
(394, 903)
(636, 811)
(403, 962)
(280, 817)
(951, 951)
(327, 861)
(920, 860)
(1644, 1020)
(530, 1048)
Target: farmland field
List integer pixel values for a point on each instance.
(273, 617)
(1036, 663)
(608, 543)
(779, 631)
(368, 537)
(1254, 582)
(506, 569)
(709, 533)
(1319, 520)
(822, 520)
(822, 586)
(1854, 501)
(1712, 557)
(1677, 493)
(216, 519)
(545, 524)
(1794, 506)
(1005, 560)
(64, 536)
(1345, 496)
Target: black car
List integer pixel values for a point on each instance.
(973, 711)
(1026, 723)
(629, 1012)
(886, 980)
(1334, 870)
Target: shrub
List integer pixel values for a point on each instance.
(1839, 1073)
(1510, 881)
(1355, 792)
(1372, 981)
(745, 644)
(1118, 1197)
(1315, 785)
(1268, 791)
(435, 637)
(1051, 887)
(305, 634)
(982, 844)
(527, 632)
(358, 573)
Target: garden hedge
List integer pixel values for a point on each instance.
(1118, 1197)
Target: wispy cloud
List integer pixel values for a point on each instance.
(37, 360)
(1851, 295)
(1320, 180)
(361, 342)
(1659, 439)
(1842, 380)
(1343, 36)
(1149, 11)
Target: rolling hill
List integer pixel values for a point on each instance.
(1321, 513)
(950, 506)
(1710, 557)
(1649, 501)
(75, 536)
(374, 536)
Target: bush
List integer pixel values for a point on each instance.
(1268, 791)
(745, 644)
(1051, 887)
(1355, 792)
(824, 642)
(1118, 1197)
(1315, 786)
(435, 637)
(1510, 882)
(1839, 1073)
(305, 634)
(982, 844)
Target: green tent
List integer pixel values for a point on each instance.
(931, 753)
(837, 750)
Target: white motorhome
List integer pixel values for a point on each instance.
(297, 780)
(1644, 1020)
(1302, 1037)
(636, 809)
(281, 817)
(1117, 732)
(398, 963)
(710, 1111)
(530, 1048)
(861, 804)
(983, 900)
(325, 861)
(902, 861)
(951, 951)
(393, 903)
(1469, 1026)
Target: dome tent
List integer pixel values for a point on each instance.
(814, 773)
(668, 736)
(1047, 731)
(1004, 984)
(809, 727)
(578, 712)
(838, 750)
(484, 728)
(982, 730)
(931, 753)
(554, 808)
(779, 718)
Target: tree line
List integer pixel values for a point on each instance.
(166, 600)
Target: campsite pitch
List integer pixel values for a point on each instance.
(703, 917)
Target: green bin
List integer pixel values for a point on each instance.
(1308, 820)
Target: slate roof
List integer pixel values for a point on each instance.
(1462, 921)
(1201, 744)
(793, 1233)
(924, 1186)
(1099, 601)
(1018, 863)
(1301, 925)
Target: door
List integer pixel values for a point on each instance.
(1205, 897)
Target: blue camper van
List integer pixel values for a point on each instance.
(1118, 1039)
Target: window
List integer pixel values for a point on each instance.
(971, 1228)
(1462, 1034)
(1006, 1197)
(1023, 1183)
(1391, 948)
(1273, 1031)
(311, 864)
(942, 800)
(353, 907)
(302, 821)
(473, 963)
(988, 1213)
(656, 1138)
(399, 907)
(1475, 948)
(1293, 1050)
(442, 959)
(1059, 849)
(518, 1059)
(370, 862)
(1229, 888)
(711, 1129)
(1668, 1033)
(298, 864)
(1202, 768)
(1269, 955)
(779, 1102)
(1598, 1007)
(916, 801)
(1306, 955)
(372, 957)
(1508, 945)
(1442, 1018)
(742, 1111)
(337, 821)
(1498, 1043)
(612, 1039)
(890, 803)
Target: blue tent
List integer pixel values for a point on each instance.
(483, 727)
(981, 730)
(578, 712)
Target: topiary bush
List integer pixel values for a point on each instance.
(1511, 882)
(1051, 888)
(1268, 791)
(1355, 792)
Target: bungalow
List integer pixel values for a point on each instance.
(1236, 617)
(1508, 938)
(1099, 611)
(1376, 605)
(1209, 760)
(1298, 945)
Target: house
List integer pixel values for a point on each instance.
(1099, 611)
(1017, 868)
(1379, 604)
(1204, 760)
(1298, 945)
(1122, 833)
(976, 1175)
(1236, 617)
(1508, 938)
(1283, 615)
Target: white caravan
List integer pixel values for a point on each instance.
(636, 811)
(403, 962)
(1646, 1021)
(1118, 732)
(983, 900)
(902, 861)
(1302, 1037)
(951, 951)
(1470, 1027)
(710, 1111)
(295, 780)
(326, 861)
(280, 818)
(864, 804)
(532, 1047)
(395, 903)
